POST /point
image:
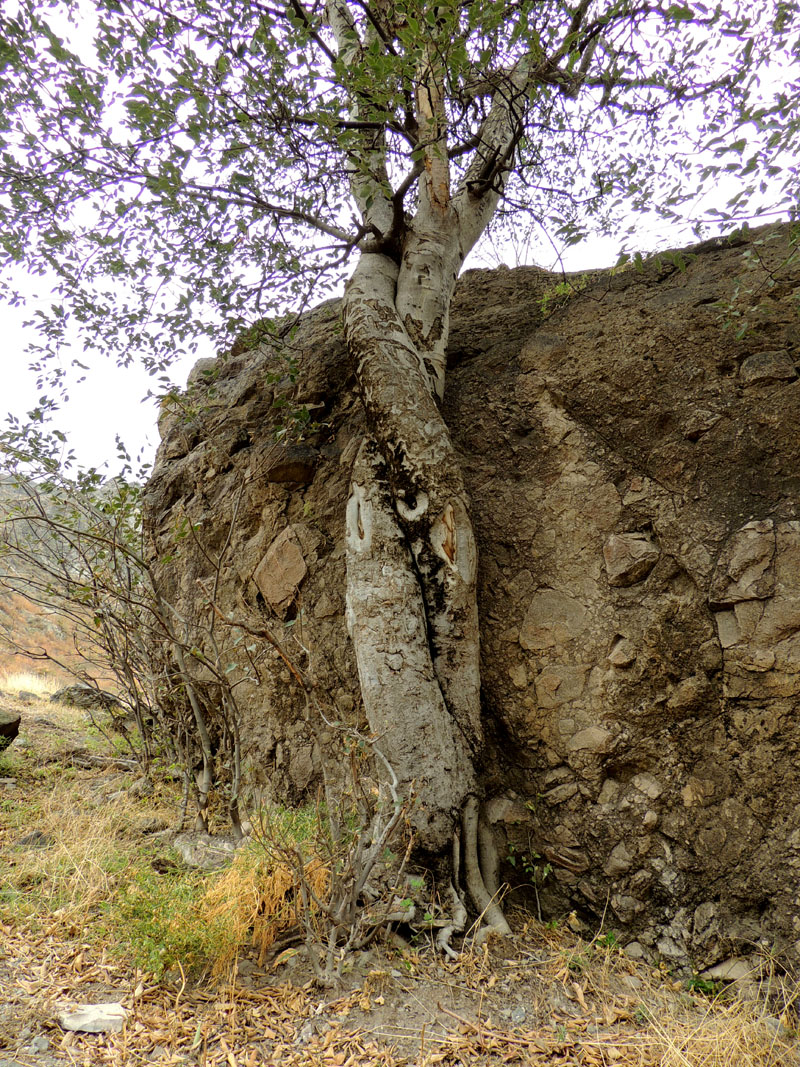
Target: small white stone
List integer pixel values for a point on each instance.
(94, 1018)
(731, 970)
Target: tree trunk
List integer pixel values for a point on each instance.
(411, 565)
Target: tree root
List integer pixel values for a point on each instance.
(458, 920)
(477, 873)
(458, 915)
(481, 867)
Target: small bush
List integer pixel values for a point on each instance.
(204, 921)
(156, 921)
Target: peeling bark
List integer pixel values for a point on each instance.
(427, 494)
(412, 563)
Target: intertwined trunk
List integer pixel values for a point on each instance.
(411, 554)
(411, 561)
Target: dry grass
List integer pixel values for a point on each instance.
(608, 1012)
(36, 682)
(61, 877)
(65, 843)
(727, 1034)
(259, 898)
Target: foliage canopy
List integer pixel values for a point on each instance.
(177, 165)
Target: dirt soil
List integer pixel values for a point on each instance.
(542, 996)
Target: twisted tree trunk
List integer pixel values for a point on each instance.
(411, 554)
(411, 573)
(411, 561)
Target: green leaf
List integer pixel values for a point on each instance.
(679, 13)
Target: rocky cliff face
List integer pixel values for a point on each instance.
(632, 454)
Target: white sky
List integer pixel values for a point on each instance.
(107, 404)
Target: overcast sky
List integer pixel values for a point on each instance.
(109, 403)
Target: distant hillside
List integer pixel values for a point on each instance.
(23, 623)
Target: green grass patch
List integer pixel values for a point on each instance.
(157, 921)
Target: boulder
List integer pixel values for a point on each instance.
(9, 727)
(204, 851)
(81, 695)
(633, 469)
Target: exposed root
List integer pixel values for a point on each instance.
(488, 858)
(481, 877)
(458, 921)
(458, 917)
(485, 901)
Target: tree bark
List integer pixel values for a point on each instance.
(411, 550)
(412, 562)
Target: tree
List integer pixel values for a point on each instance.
(198, 156)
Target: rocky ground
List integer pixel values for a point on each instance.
(78, 822)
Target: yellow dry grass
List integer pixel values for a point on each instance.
(616, 1013)
(260, 897)
(73, 866)
(728, 1033)
(38, 683)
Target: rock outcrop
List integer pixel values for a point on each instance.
(632, 454)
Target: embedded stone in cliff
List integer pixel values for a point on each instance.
(295, 463)
(301, 766)
(699, 422)
(727, 628)
(764, 367)
(745, 568)
(281, 571)
(622, 652)
(619, 860)
(552, 618)
(691, 694)
(559, 684)
(592, 739)
(540, 349)
(629, 558)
